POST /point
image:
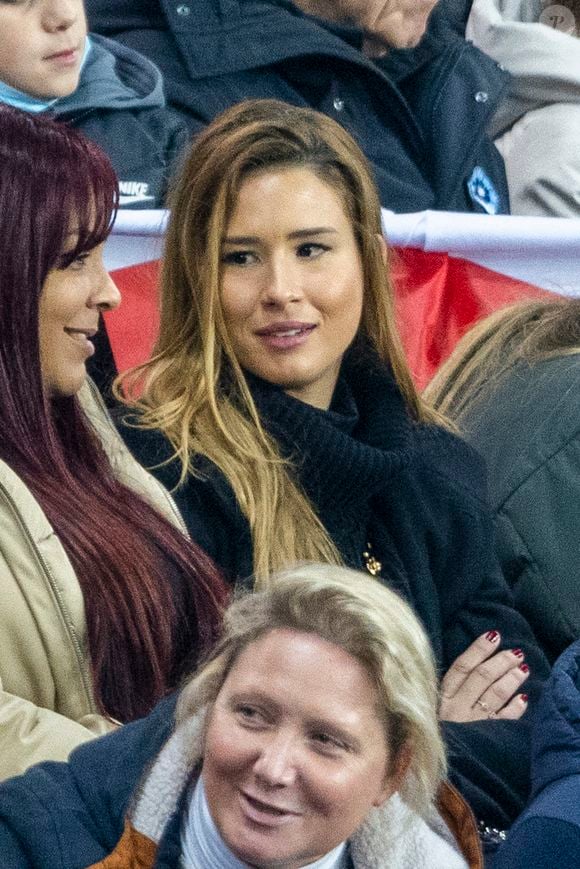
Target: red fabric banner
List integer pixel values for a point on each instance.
(439, 297)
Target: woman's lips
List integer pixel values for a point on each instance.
(82, 337)
(264, 813)
(285, 336)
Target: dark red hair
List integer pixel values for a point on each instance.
(152, 598)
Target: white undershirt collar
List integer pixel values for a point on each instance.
(202, 847)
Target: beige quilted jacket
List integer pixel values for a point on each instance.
(46, 698)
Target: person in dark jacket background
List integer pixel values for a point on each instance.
(109, 92)
(548, 833)
(512, 385)
(279, 387)
(420, 116)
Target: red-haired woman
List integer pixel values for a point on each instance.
(105, 602)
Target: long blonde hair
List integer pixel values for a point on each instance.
(523, 332)
(370, 622)
(182, 385)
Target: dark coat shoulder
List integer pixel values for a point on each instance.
(120, 104)
(527, 427)
(72, 814)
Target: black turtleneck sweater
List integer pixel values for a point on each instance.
(416, 493)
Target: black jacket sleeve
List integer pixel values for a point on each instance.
(489, 764)
(464, 596)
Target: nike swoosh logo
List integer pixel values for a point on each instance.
(132, 200)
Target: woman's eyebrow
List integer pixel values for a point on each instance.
(253, 695)
(313, 230)
(297, 233)
(241, 239)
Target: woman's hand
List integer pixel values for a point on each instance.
(484, 683)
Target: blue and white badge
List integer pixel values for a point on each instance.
(482, 191)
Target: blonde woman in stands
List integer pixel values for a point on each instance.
(104, 602)
(278, 401)
(309, 739)
(512, 385)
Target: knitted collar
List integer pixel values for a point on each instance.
(344, 455)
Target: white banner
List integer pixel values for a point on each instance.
(544, 251)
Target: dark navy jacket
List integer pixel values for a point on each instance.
(548, 833)
(70, 815)
(419, 115)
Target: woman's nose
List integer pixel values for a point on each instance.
(276, 765)
(282, 285)
(106, 296)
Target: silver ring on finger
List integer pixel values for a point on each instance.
(488, 711)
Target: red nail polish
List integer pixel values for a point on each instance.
(492, 636)
(518, 653)
(524, 698)
(524, 668)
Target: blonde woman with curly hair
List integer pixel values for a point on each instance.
(279, 407)
(309, 738)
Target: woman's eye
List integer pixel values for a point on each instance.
(311, 250)
(79, 261)
(75, 263)
(239, 258)
(250, 715)
(327, 744)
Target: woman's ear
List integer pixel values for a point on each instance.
(397, 771)
(383, 248)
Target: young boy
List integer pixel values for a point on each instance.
(114, 95)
